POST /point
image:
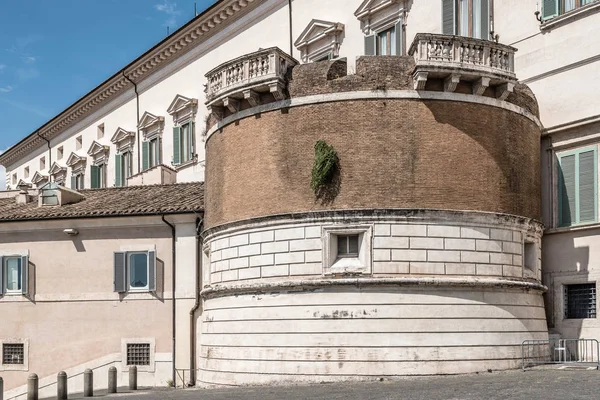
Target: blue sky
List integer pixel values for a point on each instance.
(54, 51)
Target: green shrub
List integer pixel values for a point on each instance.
(326, 160)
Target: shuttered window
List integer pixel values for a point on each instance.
(183, 143)
(467, 18)
(385, 42)
(14, 274)
(135, 271)
(578, 186)
(553, 8)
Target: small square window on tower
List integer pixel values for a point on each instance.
(347, 250)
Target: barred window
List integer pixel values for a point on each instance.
(138, 353)
(13, 353)
(580, 301)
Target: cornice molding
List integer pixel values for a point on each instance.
(216, 17)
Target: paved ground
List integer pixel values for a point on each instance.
(538, 384)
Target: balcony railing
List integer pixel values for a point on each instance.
(244, 77)
(439, 56)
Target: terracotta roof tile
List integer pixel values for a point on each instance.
(118, 201)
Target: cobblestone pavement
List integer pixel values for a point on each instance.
(538, 384)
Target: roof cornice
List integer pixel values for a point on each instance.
(212, 20)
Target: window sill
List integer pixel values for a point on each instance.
(185, 165)
(573, 228)
(570, 16)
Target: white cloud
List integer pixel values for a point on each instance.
(171, 10)
(2, 67)
(6, 89)
(2, 176)
(29, 59)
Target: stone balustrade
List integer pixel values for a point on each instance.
(246, 77)
(457, 58)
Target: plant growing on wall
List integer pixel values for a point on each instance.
(324, 168)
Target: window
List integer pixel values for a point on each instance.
(347, 250)
(13, 353)
(100, 131)
(577, 186)
(42, 163)
(77, 181)
(78, 143)
(98, 176)
(553, 8)
(135, 271)
(14, 179)
(347, 246)
(151, 153)
(13, 274)
(183, 143)
(467, 18)
(122, 168)
(580, 301)
(530, 256)
(138, 353)
(59, 153)
(386, 42)
(26, 173)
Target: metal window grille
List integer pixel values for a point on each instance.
(138, 353)
(13, 353)
(580, 301)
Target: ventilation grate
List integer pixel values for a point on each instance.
(13, 353)
(138, 353)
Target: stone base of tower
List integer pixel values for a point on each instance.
(430, 292)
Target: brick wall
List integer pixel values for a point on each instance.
(393, 154)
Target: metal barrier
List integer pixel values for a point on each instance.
(561, 351)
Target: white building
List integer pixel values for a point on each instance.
(149, 124)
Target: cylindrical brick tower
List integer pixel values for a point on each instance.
(423, 257)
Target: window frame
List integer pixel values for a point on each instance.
(142, 340)
(24, 273)
(561, 9)
(6, 290)
(566, 302)
(469, 28)
(186, 157)
(15, 367)
(129, 274)
(360, 264)
(154, 152)
(558, 187)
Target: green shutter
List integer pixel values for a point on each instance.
(73, 182)
(577, 187)
(566, 189)
(399, 35)
(95, 177)
(550, 8)
(145, 155)
(370, 44)
(485, 19)
(449, 17)
(587, 186)
(118, 165)
(176, 145)
(24, 274)
(191, 142)
(1, 276)
(120, 278)
(152, 271)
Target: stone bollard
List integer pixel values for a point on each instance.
(1, 388)
(88, 383)
(112, 380)
(32, 387)
(133, 377)
(61, 386)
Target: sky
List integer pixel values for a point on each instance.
(52, 52)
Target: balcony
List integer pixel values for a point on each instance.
(248, 78)
(456, 58)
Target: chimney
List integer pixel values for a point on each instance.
(24, 197)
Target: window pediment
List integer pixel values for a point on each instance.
(182, 108)
(97, 149)
(39, 178)
(121, 135)
(56, 169)
(151, 125)
(75, 159)
(378, 14)
(22, 184)
(318, 39)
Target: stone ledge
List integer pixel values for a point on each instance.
(303, 285)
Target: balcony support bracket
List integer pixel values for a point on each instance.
(252, 97)
(504, 90)
(480, 85)
(451, 82)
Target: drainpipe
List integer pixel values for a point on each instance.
(49, 155)
(199, 242)
(137, 124)
(291, 40)
(173, 269)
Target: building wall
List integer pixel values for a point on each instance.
(72, 318)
